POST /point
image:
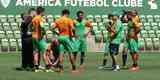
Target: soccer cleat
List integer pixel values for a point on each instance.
(116, 68)
(124, 67)
(75, 71)
(41, 67)
(101, 67)
(38, 70)
(49, 70)
(82, 66)
(134, 68)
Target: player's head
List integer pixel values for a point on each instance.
(80, 15)
(115, 16)
(22, 16)
(129, 15)
(32, 12)
(134, 13)
(65, 12)
(110, 16)
(124, 17)
(40, 11)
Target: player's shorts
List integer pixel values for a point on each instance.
(126, 43)
(114, 49)
(80, 45)
(133, 45)
(106, 48)
(39, 45)
(65, 44)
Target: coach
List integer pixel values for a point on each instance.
(26, 36)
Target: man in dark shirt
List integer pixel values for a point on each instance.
(27, 47)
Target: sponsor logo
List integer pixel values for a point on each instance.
(5, 3)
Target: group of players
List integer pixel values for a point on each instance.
(129, 38)
(71, 39)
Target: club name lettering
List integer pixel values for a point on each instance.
(82, 3)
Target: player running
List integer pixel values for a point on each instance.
(81, 34)
(39, 44)
(65, 25)
(115, 34)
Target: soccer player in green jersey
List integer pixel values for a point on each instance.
(81, 34)
(106, 51)
(115, 32)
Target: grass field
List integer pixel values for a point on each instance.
(150, 69)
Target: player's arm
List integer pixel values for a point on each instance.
(137, 25)
(54, 26)
(89, 27)
(109, 26)
(71, 28)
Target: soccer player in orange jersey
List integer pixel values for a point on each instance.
(65, 26)
(39, 44)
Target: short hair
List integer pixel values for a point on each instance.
(65, 11)
(30, 10)
(40, 10)
(135, 11)
(109, 16)
(80, 12)
(22, 16)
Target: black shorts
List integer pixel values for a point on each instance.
(114, 48)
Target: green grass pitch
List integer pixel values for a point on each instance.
(149, 63)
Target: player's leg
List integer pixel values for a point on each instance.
(60, 56)
(105, 56)
(62, 49)
(124, 55)
(30, 54)
(134, 54)
(104, 61)
(82, 59)
(82, 48)
(35, 53)
(43, 47)
(70, 47)
(73, 63)
(56, 51)
(75, 56)
(114, 50)
(60, 64)
(75, 45)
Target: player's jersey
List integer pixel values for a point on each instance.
(118, 31)
(80, 27)
(64, 25)
(37, 30)
(132, 26)
(136, 22)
